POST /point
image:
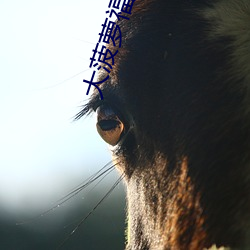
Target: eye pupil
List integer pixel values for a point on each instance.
(106, 125)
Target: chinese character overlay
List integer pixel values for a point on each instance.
(110, 32)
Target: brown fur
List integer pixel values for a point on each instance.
(185, 151)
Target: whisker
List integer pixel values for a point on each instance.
(91, 191)
(87, 182)
(84, 41)
(79, 189)
(93, 209)
(103, 171)
(60, 83)
(108, 172)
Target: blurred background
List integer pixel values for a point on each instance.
(45, 48)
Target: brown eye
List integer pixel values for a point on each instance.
(108, 125)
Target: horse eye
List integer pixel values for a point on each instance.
(108, 125)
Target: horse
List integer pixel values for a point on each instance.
(175, 110)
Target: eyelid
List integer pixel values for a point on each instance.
(96, 104)
(107, 104)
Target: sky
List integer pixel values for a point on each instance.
(45, 46)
